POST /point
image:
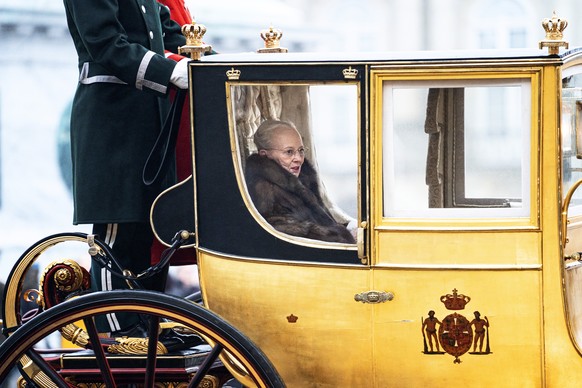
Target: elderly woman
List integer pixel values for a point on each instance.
(284, 186)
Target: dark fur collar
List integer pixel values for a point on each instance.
(260, 167)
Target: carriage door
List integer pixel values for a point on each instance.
(455, 228)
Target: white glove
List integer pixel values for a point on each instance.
(353, 228)
(179, 76)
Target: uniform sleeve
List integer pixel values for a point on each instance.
(121, 48)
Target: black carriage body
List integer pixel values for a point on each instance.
(224, 222)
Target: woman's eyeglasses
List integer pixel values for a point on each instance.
(290, 152)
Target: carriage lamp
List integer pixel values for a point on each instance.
(194, 47)
(554, 28)
(272, 38)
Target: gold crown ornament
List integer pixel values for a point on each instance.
(350, 73)
(455, 301)
(272, 38)
(554, 39)
(194, 47)
(233, 74)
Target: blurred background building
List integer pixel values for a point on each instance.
(38, 74)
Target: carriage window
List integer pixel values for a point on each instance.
(572, 138)
(323, 157)
(456, 148)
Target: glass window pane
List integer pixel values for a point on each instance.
(335, 123)
(313, 193)
(493, 141)
(571, 147)
(456, 149)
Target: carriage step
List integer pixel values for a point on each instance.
(81, 368)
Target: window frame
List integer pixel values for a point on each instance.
(238, 163)
(450, 220)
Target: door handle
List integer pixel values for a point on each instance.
(374, 297)
(361, 242)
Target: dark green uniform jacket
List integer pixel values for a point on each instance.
(120, 103)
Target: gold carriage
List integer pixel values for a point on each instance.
(459, 171)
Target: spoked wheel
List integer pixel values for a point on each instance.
(224, 348)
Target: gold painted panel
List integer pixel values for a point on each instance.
(304, 317)
(450, 248)
(511, 346)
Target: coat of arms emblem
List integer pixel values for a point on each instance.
(455, 334)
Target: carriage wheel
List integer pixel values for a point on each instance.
(225, 345)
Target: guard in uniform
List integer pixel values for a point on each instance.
(118, 111)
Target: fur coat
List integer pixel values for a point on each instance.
(292, 204)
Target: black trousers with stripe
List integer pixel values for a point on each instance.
(131, 244)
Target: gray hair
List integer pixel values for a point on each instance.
(263, 137)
